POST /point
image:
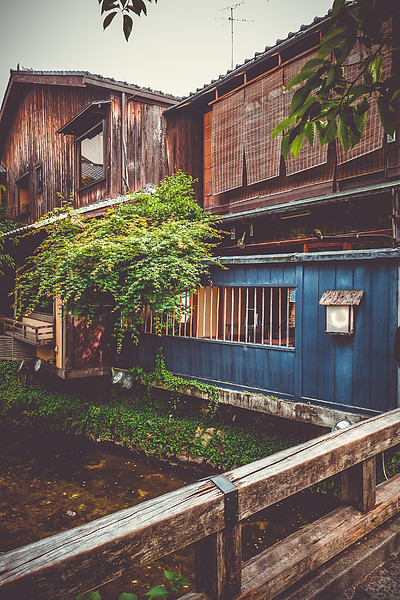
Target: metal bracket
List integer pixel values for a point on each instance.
(231, 497)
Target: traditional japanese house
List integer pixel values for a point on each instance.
(307, 309)
(78, 136)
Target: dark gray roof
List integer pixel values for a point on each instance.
(93, 78)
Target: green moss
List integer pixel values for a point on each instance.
(147, 424)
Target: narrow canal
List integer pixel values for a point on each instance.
(52, 482)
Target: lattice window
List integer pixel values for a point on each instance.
(308, 157)
(252, 315)
(263, 110)
(227, 143)
(373, 134)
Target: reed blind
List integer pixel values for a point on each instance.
(308, 157)
(227, 143)
(263, 111)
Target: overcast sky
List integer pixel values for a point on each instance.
(179, 46)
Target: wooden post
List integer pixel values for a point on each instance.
(359, 485)
(219, 564)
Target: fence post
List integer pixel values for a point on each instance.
(359, 485)
(219, 564)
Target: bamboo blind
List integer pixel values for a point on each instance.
(263, 111)
(308, 157)
(227, 143)
(373, 134)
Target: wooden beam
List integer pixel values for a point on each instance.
(359, 485)
(285, 563)
(219, 563)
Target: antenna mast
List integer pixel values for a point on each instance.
(232, 19)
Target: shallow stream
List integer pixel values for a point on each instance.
(52, 482)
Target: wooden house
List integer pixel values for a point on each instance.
(295, 230)
(78, 136)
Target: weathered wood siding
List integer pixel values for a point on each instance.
(184, 140)
(357, 371)
(33, 140)
(145, 144)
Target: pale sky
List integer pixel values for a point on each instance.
(178, 47)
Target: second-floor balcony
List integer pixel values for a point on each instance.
(31, 331)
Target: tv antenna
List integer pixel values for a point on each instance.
(232, 19)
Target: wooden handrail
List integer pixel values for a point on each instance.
(36, 334)
(85, 557)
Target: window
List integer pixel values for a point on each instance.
(22, 193)
(251, 315)
(90, 157)
(39, 179)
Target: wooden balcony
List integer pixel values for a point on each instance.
(38, 334)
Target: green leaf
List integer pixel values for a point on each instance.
(107, 21)
(286, 144)
(297, 144)
(127, 26)
(301, 76)
(159, 591)
(328, 46)
(387, 116)
(171, 576)
(309, 131)
(337, 7)
(298, 99)
(329, 132)
(282, 125)
(344, 135)
(125, 596)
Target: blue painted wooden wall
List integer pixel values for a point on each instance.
(357, 371)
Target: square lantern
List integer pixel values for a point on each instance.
(339, 315)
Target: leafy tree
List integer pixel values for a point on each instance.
(328, 103)
(146, 252)
(125, 7)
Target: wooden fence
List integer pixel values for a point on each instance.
(83, 558)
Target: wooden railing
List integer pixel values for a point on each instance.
(38, 335)
(83, 558)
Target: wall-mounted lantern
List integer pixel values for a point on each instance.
(339, 316)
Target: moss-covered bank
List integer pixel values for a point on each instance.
(157, 426)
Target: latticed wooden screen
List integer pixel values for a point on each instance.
(263, 111)
(308, 157)
(373, 134)
(227, 143)
(253, 315)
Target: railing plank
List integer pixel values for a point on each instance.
(270, 480)
(359, 485)
(219, 563)
(87, 556)
(99, 551)
(285, 563)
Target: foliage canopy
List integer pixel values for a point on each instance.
(328, 102)
(148, 251)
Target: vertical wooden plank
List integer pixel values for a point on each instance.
(217, 324)
(255, 314)
(271, 307)
(287, 315)
(344, 344)
(280, 315)
(180, 315)
(211, 311)
(204, 311)
(232, 311)
(310, 303)
(381, 353)
(325, 342)
(239, 311)
(359, 485)
(224, 313)
(263, 315)
(362, 368)
(219, 564)
(247, 315)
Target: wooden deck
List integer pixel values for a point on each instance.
(83, 558)
(37, 335)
